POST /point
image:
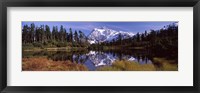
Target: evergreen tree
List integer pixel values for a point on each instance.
(61, 33)
(138, 37)
(120, 38)
(70, 35)
(81, 36)
(37, 34)
(54, 33)
(76, 36)
(65, 35)
(24, 34)
(48, 32)
(32, 32)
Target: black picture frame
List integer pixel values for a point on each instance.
(101, 3)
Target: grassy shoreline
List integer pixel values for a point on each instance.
(44, 64)
(123, 65)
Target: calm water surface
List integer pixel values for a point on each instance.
(94, 59)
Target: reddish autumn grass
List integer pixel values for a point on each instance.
(44, 64)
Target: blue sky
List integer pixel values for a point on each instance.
(87, 27)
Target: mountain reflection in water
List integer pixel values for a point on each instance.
(94, 59)
(102, 58)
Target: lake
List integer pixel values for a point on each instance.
(96, 59)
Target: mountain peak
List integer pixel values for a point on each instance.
(103, 27)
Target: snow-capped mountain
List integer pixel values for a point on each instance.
(105, 34)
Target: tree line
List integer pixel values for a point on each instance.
(58, 37)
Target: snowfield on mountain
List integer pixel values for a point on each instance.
(105, 34)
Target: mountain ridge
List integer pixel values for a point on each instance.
(104, 34)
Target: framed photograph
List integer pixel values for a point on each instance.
(100, 46)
